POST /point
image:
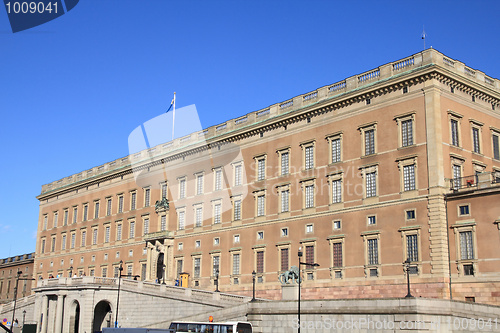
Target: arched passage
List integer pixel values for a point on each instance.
(102, 316)
(159, 268)
(74, 317)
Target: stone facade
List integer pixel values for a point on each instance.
(361, 174)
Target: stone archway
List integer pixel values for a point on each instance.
(159, 267)
(74, 318)
(102, 316)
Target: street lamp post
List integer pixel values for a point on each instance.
(300, 279)
(164, 266)
(15, 299)
(407, 264)
(217, 281)
(24, 316)
(298, 306)
(118, 297)
(254, 274)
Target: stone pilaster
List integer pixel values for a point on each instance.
(435, 159)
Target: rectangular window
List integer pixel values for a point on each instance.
(56, 215)
(285, 163)
(457, 176)
(464, 210)
(108, 207)
(133, 200)
(337, 254)
(199, 184)
(218, 180)
(261, 205)
(310, 254)
(119, 232)
(454, 132)
(65, 221)
(146, 226)
(94, 237)
(260, 261)
(407, 132)
(45, 219)
(284, 259)
(182, 216)
(475, 139)
(309, 157)
(197, 267)
(215, 267)
(370, 142)
(120, 204)
(53, 245)
(372, 220)
(337, 191)
(84, 236)
(411, 248)
(309, 196)
(496, 147)
(106, 234)
(147, 197)
(409, 177)
(182, 188)
(336, 157)
(285, 195)
(85, 212)
(261, 169)
(96, 210)
(163, 223)
(73, 239)
(217, 213)
(237, 175)
(75, 214)
(43, 246)
(466, 246)
(199, 217)
(104, 272)
(236, 264)
(373, 251)
(163, 190)
(371, 184)
(63, 245)
(132, 229)
(237, 210)
(179, 267)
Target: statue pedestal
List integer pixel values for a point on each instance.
(289, 292)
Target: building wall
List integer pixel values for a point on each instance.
(403, 208)
(8, 276)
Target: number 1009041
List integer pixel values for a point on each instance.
(31, 7)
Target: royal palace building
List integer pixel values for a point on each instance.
(400, 163)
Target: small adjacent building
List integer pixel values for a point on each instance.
(8, 275)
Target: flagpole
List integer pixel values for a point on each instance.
(173, 120)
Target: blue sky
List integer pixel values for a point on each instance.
(73, 89)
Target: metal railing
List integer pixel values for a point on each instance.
(477, 181)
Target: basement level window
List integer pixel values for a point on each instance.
(464, 210)
(468, 270)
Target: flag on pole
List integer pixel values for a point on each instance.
(171, 104)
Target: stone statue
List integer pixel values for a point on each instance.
(292, 274)
(161, 204)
